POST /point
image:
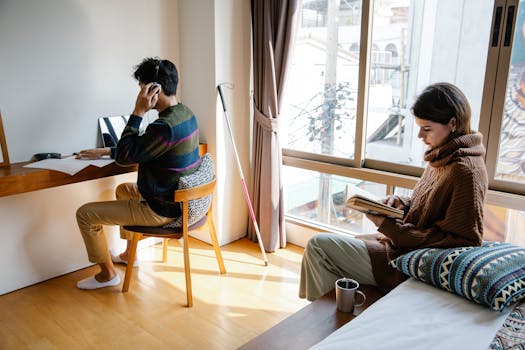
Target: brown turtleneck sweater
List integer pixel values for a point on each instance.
(446, 208)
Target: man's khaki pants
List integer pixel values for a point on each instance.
(128, 209)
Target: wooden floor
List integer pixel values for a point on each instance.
(229, 310)
(311, 324)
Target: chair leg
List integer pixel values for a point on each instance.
(187, 272)
(165, 250)
(216, 247)
(186, 250)
(129, 267)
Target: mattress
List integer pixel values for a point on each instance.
(415, 315)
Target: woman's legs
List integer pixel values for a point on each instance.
(328, 257)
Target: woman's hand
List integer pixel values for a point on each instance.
(94, 153)
(376, 219)
(394, 201)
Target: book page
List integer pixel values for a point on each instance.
(69, 165)
(367, 205)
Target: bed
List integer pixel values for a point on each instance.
(416, 315)
(455, 298)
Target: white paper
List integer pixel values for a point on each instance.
(69, 165)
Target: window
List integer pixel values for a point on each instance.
(322, 89)
(510, 160)
(305, 205)
(504, 225)
(433, 46)
(352, 82)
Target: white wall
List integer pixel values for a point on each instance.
(215, 48)
(64, 63)
(232, 65)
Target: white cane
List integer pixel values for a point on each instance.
(245, 189)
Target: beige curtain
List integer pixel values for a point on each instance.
(273, 26)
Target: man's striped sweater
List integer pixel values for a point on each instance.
(168, 149)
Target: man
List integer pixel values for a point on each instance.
(168, 149)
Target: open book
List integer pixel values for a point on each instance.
(370, 206)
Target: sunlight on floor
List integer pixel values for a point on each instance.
(278, 280)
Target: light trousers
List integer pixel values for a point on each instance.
(128, 209)
(330, 256)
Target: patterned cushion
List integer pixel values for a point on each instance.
(492, 275)
(197, 208)
(511, 335)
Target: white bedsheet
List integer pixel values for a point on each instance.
(418, 316)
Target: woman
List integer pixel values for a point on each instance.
(445, 209)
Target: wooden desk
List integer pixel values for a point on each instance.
(309, 325)
(16, 179)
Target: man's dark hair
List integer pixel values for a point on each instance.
(159, 71)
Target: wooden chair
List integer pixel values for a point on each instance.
(140, 232)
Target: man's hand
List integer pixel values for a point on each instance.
(94, 153)
(146, 99)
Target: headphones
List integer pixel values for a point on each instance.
(155, 81)
(157, 66)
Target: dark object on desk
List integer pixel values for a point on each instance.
(42, 156)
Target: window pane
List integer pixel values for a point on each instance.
(416, 43)
(321, 91)
(511, 156)
(503, 225)
(320, 198)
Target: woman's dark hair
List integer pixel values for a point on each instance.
(159, 71)
(441, 102)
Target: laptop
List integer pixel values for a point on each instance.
(111, 129)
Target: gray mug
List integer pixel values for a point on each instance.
(345, 293)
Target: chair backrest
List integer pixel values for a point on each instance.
(199, 197)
